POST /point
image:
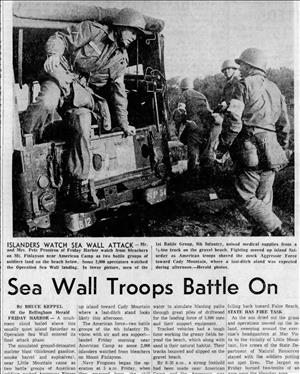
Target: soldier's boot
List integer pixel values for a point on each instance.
(279, 232)
(78, 200)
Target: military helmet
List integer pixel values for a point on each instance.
(186, 83)
(227, 64)
(128, 17)
(254, 57)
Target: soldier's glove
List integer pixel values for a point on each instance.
(130, 130)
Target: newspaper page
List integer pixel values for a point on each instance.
(135, 238)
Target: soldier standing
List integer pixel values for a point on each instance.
(256, 131)
(196, 132)
(230, 70)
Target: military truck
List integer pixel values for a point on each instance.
(126, 170)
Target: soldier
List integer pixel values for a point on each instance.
(230, 70)
(195, 102)
(196, 135)
(190, 136)
(256, 131)
(91, 52)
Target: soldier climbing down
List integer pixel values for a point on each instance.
(90, 54)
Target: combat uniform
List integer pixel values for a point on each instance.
(228, 89)
(216, 129)
(192, 136)
(196, 132)
(256, 128)
(195, 104)
(91, 50)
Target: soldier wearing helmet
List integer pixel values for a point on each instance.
(256, 131)
(230, 70)
(88, 51)
(196, 104)
(194, 101)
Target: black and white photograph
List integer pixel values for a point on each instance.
(149, 216)
(153, 119)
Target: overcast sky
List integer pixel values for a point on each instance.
(199, 35)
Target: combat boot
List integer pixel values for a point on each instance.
(279, 232)
(78, 200)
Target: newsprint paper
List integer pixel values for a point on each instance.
(182, 282)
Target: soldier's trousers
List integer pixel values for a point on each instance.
(80, 126)
(193, 137)
(43, 109)
(255, 196)
(213, 141)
